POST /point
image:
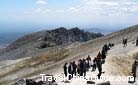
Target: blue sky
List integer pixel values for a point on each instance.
(44, 14)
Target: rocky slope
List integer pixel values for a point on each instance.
(52, 61)
(28, 44)
(58, 36)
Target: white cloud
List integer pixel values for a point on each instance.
(109, 7)
(134, 9)
(41, 2)
(88, 10)
(95, 7)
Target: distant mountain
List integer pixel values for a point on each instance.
(38, 42)
(50, 38)
(100, 30)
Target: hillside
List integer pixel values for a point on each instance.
(55, 37)
(52, 60)
(30, 44)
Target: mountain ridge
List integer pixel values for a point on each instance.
(55, 37)
(48, 38)
(57, 56)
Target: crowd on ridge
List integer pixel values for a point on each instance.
(82, 66)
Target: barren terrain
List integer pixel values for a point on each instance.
(118, 62)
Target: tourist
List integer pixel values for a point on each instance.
(65, 69)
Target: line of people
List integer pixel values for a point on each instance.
(84, 65)
(100, 59)
(78, 69)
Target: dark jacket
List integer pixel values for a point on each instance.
(65, 69)
(74, 67)
(70, 69)
(134, 68)
(137, 42)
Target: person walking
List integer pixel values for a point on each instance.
(134, 68)
(79, 68)
(124, 42)
(65, 69)
(137, 42)
(88, 59)
(94, 64)
(84, 68)
(99, 64)
(74, 68)
(70, 71)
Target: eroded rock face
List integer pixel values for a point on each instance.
(55, 37)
